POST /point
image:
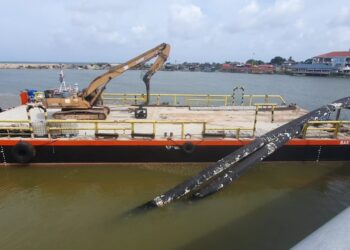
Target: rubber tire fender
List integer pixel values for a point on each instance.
(23, 152)
(188, 147)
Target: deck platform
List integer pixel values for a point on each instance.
(164, 121)
(169, 134)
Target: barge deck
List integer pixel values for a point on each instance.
(181, 133)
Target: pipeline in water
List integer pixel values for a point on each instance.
(231, 167)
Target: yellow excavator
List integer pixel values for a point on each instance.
(87, 104)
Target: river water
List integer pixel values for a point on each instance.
(78, 207)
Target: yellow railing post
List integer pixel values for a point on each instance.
(96, 127)
(182, 130)
(124, 100)
(336, 130)
(175, 101)
(158, 99)
(49, 132)
(255, 119)
(304, 131)
(154, 127)
(238, 132)
(132, 127)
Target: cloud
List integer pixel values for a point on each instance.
(251, 8)
(185, 21)
(92, 6)
(104, 37)
(139, 30)
(342, 18)
(186, 14)
(253, 17)
(198, 30)
(285, 7)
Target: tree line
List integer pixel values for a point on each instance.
(277, 60)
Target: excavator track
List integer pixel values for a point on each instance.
(89, 114)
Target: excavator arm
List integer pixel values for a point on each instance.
(95, 89)
(86, 105)
(161, 59)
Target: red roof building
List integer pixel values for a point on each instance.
(227, 67)
(334, 54)
(338, 59)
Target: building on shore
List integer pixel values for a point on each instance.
(314, 69)
(248, 68)
(336, 62)
(263, 69)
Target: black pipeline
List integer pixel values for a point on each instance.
(233, 165)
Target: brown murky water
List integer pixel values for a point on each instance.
(272, 207)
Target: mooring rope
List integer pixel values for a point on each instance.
(2, 151)
(319, 154)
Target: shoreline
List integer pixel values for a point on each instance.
(107, 66)
(88, 66)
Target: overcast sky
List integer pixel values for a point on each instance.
(198, 30)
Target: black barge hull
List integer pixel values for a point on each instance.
(161, 151)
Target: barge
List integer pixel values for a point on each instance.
(177, 128)
(66, 125)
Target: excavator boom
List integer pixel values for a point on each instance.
(162, 51)
(86, 102)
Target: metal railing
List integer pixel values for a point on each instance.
(19, 127)
(15, 127)
(130, 127)
(182, 99)
(189, 99)
(236, 130)
(321, 126)
(57, 128)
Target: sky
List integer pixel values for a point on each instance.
(197, 30)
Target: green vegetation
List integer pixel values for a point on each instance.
(254, 62)
(277, 60)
